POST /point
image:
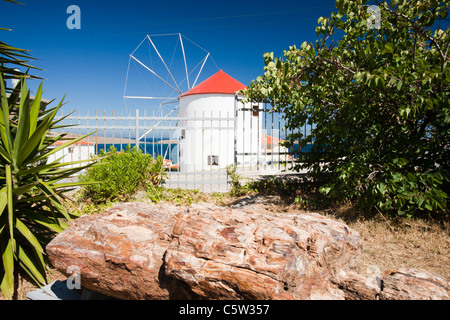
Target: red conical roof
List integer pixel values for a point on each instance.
(218, 83)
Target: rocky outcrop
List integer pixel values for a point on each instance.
(148, 251)
(357, 287)
(120, 251)
(229, 254)
(414, 284)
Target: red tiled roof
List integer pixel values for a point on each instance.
(266, 139)
(218, 83)
(81, 142)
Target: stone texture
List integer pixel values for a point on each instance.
(147, 251)
(414, 284)
(356, 286)
(120, 251)
(231, 254)
(208, 252)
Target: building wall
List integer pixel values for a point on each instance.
(207, 139)
(74, 152)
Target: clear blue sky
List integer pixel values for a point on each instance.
(90, 64)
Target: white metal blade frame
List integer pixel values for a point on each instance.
(185, 64)
(165, 65)
(151, 129)
(177, 90)
(193, 69)
(137, 60)
(206, 58)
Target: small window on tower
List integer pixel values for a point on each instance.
(255, 111)
(213, 160)
(183, 133)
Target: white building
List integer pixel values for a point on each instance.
(209, 126)
(81, 150)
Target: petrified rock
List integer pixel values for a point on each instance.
(414, 284)
(229, 254)
(147, 251)
(357, 286)
(120, 251)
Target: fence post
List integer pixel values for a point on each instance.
(236, 102)
(137, 129)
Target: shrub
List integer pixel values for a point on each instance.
(237, 189)
(31, 190)
(118, 175)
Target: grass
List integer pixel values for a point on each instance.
(392, 243)
(387, 242)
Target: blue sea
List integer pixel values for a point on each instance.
(167, 151)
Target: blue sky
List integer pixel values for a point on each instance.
(90, 65)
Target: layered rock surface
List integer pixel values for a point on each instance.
(231, 254)
(414, 284)
(147, 251)
(120, 251)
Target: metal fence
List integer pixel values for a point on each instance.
(172, 136)
(267, 155)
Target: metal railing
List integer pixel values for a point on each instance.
(173, 136)
(267, 152)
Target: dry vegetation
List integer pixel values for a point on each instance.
(392, 244)
(401, 242)
(387, 243)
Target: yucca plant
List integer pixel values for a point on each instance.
(31, 188)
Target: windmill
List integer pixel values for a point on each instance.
(160, 70)
(163, 67)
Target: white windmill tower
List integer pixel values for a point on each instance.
(212, 146)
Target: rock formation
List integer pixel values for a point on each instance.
(414, 284)
(231, 254)
(120, 251)
(148, 251)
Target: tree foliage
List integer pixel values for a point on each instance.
(378, 99)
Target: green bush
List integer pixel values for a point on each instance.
(237, 189)
(120, 174)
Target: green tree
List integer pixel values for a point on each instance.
(378, 99)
